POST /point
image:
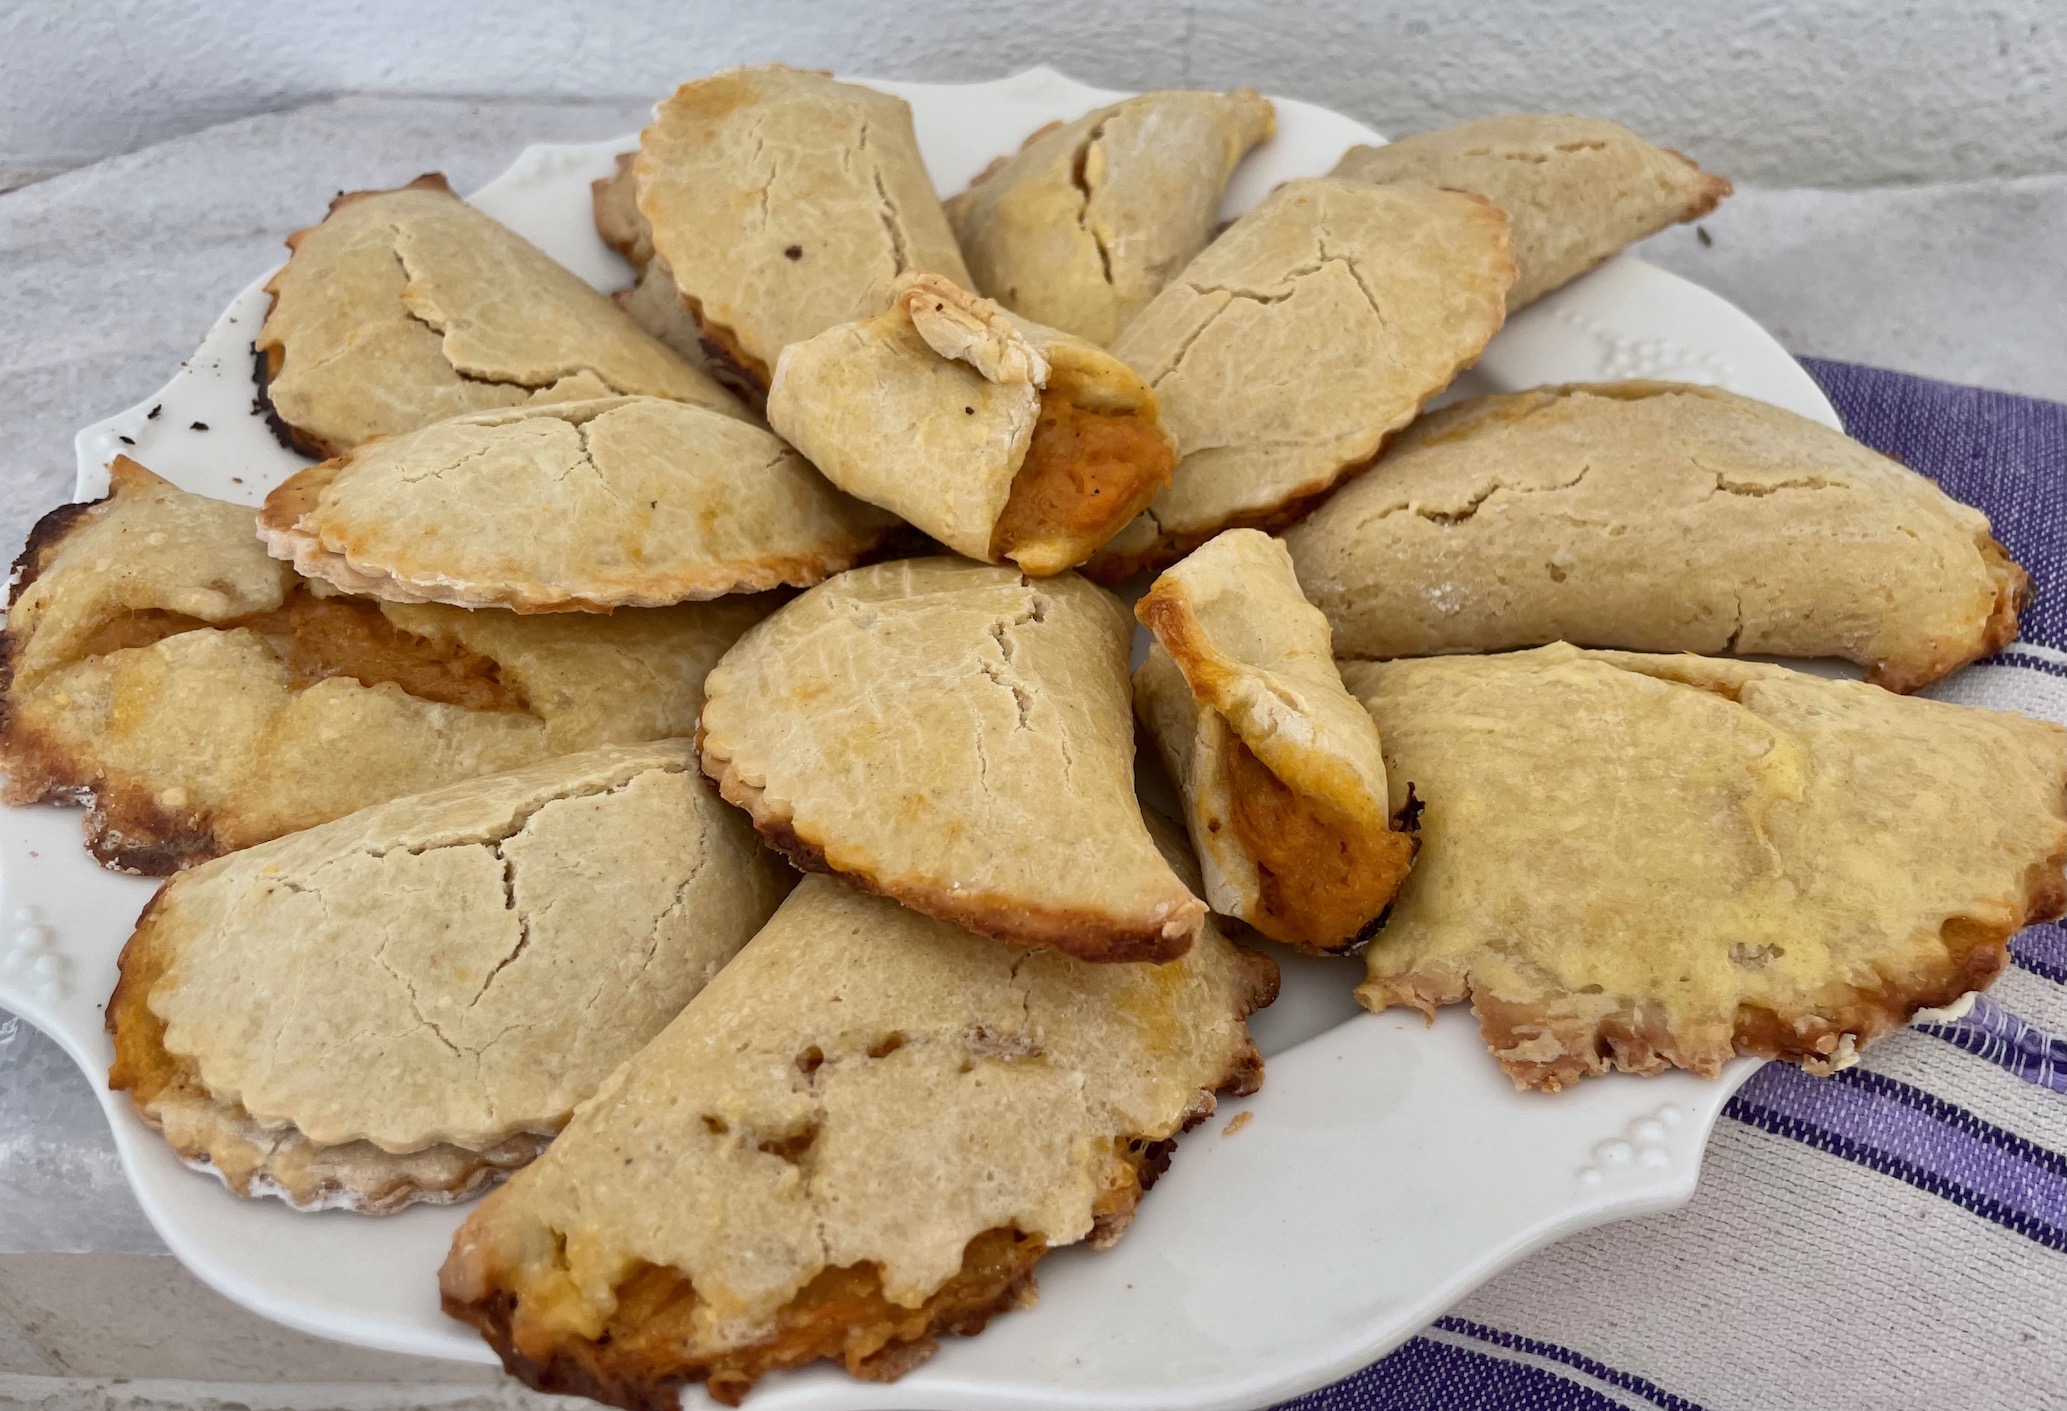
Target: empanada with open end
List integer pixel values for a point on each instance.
(1641, 862)
(203, 697)
(591, 505)
(1658, 517)
(863, 1134)
(957, 737)
(780, 202)
(406, 1003)
(1280, 768)
(1083, 225)
(407, 306)
(1575, 189)
(1312, 329)
(999, 437)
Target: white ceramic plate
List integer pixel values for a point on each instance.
(1388, 1168)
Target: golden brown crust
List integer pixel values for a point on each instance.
(2012, 592)
(1085, 935)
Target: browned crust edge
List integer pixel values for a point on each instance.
(268, 358)
(137, 968)
(1629, 1042)
(126, 829)
(631, 1380)
(1084, 935)
(1997, 630)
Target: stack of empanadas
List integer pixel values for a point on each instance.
(490, 741)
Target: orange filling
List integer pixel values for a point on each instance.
(323, 637)
(649, 1342)
(1322, 879)
(142, 1065)
(1086, 474)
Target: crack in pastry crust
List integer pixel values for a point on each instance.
(762, 1113)
(1842, 857)
(254, 1158)
(1655, 516)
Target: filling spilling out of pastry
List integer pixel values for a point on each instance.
(652, 1335)
(1320, 875)
(321, 637)
(1086, 473)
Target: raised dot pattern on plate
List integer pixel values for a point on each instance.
(1623, 357)
(30, 959)
(1641, 1147)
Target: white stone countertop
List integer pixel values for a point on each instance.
(110, 274)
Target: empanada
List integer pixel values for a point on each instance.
(406, 1003)
(1638, 862)
(1280, 769)
(956, 737)
(1085, 223)
(1000, 438)
(1576, 189)
(781, 203)
(864, 1133)
(1658, 517)
(204, 698)
(593, 505)
(1312, 329)
(404, 307)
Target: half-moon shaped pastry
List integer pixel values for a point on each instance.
(1279, 766)
(863, 1134)
(404, 307)
(1575, 189)
(781, 203)
(1638, 862)
(1000, 438)
(956, 737)
(407, 1003)
(1312, 329)
(1659, 517)
(592, 505)
(1087, 222)
(203, 698)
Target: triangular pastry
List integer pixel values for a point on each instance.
(1641, 862)
(203, 697)
(589, 505)
(1002, 439)
(957, 737)
(407, 306)
(1087, 221)
(408, 1002)
(861, 1135)
(1279, 767)
(1658, 517)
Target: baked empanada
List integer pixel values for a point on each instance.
(204, 698)
(1085, 223)
(1638, 862)
(407, 1003)
(1575, 189)
(864, 1133)
(1000, 438)
(780, 203)
(594, 505)
(404, 307)
(1312, 329)
(1658, 517)
(956, 737)
(1280, 769)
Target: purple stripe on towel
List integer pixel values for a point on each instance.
(2003, 454)
(1906, 1133)
(1991, 1032)
(1426, 1375)
(2042, 950)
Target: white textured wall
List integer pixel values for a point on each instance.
(1805, 92)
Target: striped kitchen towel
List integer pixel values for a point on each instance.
(1891, 1237)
